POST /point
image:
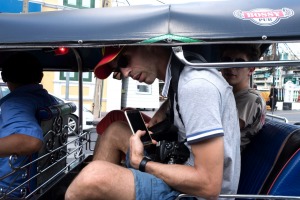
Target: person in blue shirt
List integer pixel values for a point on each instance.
(20, 131)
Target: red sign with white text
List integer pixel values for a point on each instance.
(264, 16)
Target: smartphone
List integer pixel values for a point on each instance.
(136, 122)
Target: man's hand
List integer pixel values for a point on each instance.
(136, 149)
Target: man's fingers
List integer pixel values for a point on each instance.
(140, 133)
(154, 141)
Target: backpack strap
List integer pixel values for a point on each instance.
(176, 69)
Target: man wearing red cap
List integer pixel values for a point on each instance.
(208, 124)
(102, 71)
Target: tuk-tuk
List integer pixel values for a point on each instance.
(270, 166)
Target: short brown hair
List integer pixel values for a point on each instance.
(251, 50)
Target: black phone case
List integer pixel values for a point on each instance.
(164, 130)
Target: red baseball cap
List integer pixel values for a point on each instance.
(103, 69)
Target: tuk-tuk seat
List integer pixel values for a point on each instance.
(285, 179)
(271, 162)
(50, 160)
(54, 122)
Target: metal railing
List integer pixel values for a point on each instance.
(61, 164)
(276, 117)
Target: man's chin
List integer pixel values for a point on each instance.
(148, 81)
(231, 82)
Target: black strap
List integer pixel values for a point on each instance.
(142, 166)
(176, 69)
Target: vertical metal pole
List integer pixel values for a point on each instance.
(80, 101)
(80, 88)
(67, 85)
(274, 53)
(25, 6)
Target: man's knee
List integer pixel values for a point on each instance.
(97, 173)
(92, 181)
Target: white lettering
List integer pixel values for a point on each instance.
(263, 14)
(277, 13)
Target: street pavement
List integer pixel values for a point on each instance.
(293, 116)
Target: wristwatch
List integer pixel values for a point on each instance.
(143, 163)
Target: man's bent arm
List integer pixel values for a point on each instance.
(204, 179)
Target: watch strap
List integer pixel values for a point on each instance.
(143, 163)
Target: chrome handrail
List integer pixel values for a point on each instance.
(178, 51)
(272, 117)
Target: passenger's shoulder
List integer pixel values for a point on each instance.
(255, 93)
(248, 96)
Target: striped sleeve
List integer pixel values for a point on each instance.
(204, 135)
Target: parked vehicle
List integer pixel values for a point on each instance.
(271, 164)
(87, 118)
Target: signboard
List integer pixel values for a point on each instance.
(292, 79)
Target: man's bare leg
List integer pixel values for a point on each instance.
(113, 143)
(102, 180)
